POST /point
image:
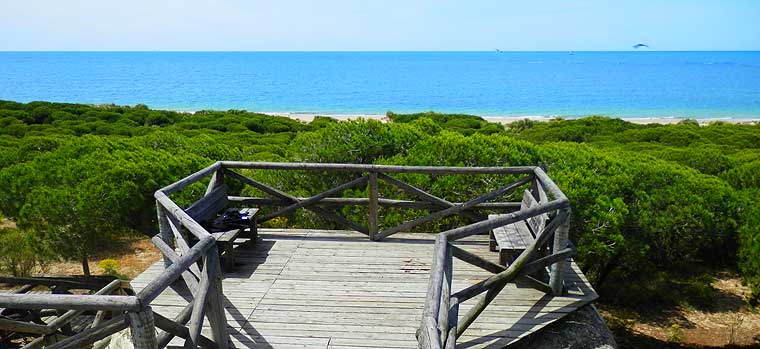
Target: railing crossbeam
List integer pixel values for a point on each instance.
(473, 259)
(439, 202)
(285, 196)
(182, 243)
(454, 209)
(177, 330)
(314, 199)
(168, 252)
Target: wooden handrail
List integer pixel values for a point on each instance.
(333, 167)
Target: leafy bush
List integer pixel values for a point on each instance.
(675, 333)
(359, 141)
(462, 123)
(20, 254)
(744, 176)
(111, 267)
(749, 244)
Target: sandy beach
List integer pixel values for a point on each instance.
(308, 117)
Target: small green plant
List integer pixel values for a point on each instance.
(111, 267)
(277, 222)
(675, 333)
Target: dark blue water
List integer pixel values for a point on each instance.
(628, 84)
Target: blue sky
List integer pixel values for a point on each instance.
(335, 25)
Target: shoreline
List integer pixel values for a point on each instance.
(308, 117)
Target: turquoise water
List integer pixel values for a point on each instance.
(627, 84)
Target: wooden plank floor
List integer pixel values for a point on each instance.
(337, 289)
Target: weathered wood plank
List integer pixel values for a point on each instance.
(72, 302)
(92, 335)
(209, 205)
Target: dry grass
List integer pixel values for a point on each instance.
(6, 223)
(134, 255)
(728, 324)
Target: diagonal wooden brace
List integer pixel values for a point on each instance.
(440, 202)
(324, 213)
(454, 209)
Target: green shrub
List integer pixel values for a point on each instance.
(749, 245)
(111, 267)
(744, 176)
(20, 254)
(461, 123)
(675, 333)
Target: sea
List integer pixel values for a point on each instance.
(634, 84)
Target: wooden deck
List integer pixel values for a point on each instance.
(336, 289)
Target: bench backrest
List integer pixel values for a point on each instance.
(535, 223)
(208, 206)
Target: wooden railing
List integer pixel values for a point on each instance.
(370, 176)
(440, 326)
(192, 261)
(48, 324)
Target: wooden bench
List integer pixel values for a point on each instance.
(208, 209)
(511, 240)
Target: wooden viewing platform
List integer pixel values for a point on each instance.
(375, 284)
(336, 289)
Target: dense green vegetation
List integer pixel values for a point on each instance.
(656, 204)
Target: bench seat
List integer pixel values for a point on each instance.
(512, 239)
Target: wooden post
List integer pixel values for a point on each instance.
(164, 230)
(451, 338)
(372, 221)
(560, 243)
(142, 328)
(217, 179)
(443, 311)
(215, 303)
(199, 300)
